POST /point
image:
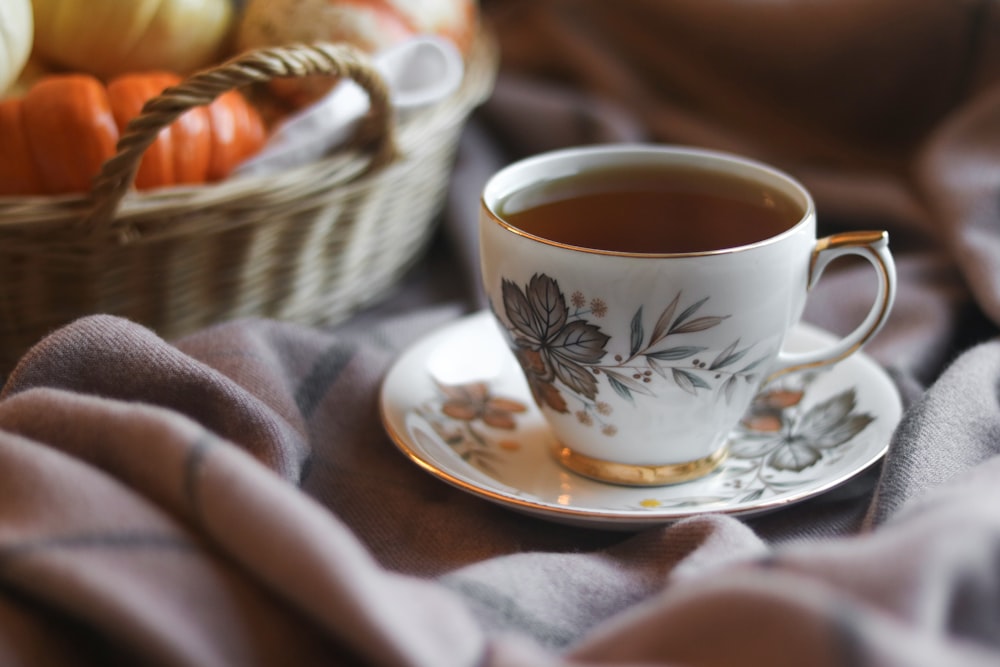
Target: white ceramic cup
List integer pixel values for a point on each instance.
(642, 363)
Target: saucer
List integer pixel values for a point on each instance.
(457, 405)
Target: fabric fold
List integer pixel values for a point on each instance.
(262, 564)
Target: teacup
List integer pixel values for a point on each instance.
(647, 291)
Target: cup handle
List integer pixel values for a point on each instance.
(873, 246)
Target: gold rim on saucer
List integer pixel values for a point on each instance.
(631, 474)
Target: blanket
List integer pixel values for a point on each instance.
(231, 497)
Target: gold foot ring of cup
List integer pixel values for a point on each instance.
(635, 474)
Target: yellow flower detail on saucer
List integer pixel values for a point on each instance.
(650, 503)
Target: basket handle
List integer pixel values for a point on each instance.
(376, 130)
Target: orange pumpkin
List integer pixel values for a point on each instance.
(237, 133)
(180, 153)
(70, 130)
(59, 134)
(18, 173)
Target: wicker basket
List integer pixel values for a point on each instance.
(311, 244)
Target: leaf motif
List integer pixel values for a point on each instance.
(663, 323)
(620, 388)
(675, 353)
(636, 333)
(632, 385)
(688, 381)
(546, 393)
(753, 364)
(778, 399)
(720, 358)
(764, 421)
(656, 366)
(688, 312)
(795, 456)
(843, 431)
(579, 342)
(548, 305)
(753, 447)
(507, 404)
(481, 460)
(518, 310)
(533, 363)
(752, 496)
(825, 416)
(499, 419)
(729, 388)
(576, 377)
(731, 357)
(699, 324)
(460, 410)
(464, 392)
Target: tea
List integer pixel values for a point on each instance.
(652, 209)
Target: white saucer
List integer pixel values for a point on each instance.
(813, 431)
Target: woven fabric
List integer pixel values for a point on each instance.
(233, 500)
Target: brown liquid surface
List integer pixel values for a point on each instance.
(656, 209)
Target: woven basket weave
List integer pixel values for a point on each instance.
(311, 244)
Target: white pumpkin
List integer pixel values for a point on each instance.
(110, 37)
(16, 36)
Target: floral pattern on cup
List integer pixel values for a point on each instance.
(778, 441)
(778, 435)
(563, 351)
(781, 439)
(468, 416)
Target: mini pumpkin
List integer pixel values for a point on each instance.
(59, 134)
